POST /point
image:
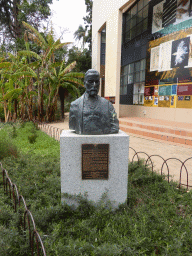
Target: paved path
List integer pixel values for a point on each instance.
(155, 147)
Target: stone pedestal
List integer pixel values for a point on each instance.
(72, 183)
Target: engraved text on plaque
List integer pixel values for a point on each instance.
(95, 161)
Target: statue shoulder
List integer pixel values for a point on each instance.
(77, 101)
(103, 100)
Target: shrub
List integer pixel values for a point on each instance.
(14, 132)
(32, 138)
(7, 148)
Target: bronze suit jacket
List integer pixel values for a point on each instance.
(109, 122)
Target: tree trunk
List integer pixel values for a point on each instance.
(15, 109)
(41, 104)
(16, 24)
(62, 98)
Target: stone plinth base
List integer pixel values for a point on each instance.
(115, 187)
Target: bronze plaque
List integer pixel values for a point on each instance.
(95, 161)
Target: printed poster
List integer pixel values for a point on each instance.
(169, 12)
(180, 52)
(180, 97)
(172, 100)
(188, 98)
(166, 98)
(157, 17)
(154, 58)
(156, 101)
(165, 56)
(190, 53)
(174, 89)
(183, 10)
(161, 98)
(165, 90)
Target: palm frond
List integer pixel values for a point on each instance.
(62, 65)
(61, 45)
(29, 54)
(56, 64)
(75, 74)
(76, 81)
(34, 64)
(34, 38)
(71, 88)
(57, 45)
(12, 56)
(39, 36)
(12, 94)
(68, 68)
(23, 74)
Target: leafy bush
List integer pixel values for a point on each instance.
(7, 148)
(14, 133)
(2, 116)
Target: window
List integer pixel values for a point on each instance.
(134, 73)
(103, 46)
(135, 20)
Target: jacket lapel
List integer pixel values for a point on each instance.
(80, 116)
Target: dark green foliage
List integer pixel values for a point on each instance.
(14, 133)
(13, 12)
(82, 57)
(155, 221)
(7, 148)
(88, 22)
(86, 33)
(2, 116)
(33, 136)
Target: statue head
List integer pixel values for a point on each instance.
(92, 82)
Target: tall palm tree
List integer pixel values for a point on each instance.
(80, 34)
(63, 78)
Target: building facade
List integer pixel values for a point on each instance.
(143, 51)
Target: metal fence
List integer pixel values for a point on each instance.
(26, 218)
(182, 165)
(52, 131)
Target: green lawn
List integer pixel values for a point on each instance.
(155, 221)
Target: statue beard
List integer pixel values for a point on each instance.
(92, 92)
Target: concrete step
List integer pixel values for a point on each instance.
(159, 135)
(157, 127)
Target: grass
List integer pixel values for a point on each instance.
(155, 221)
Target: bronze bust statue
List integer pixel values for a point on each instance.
(92, 114)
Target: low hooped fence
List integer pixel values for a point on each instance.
(149, 162)
(52, 131)
(27, 220)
